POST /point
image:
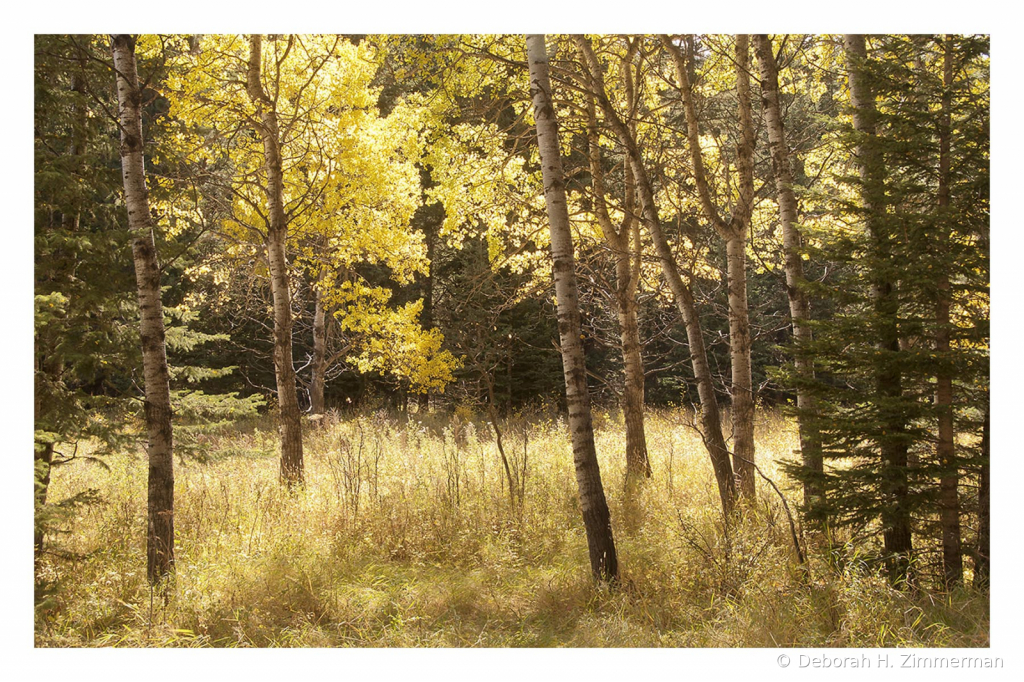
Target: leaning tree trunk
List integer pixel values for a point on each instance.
(888, 377)
(596, 517)
(945, 450)
(734, 233)
(277, 234)
(711, 420)
(160, 513)
(799, 305)
(624, 243)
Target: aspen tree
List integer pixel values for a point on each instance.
(277, 236)
(799, 303)
(711, 421)
(160, 507)
(596, 517)
(733, 232)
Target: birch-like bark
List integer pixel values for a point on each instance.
(277, 234)
(160, 506)
(321, 328)
(596, 517)
(945, 450)
(888, 378)
(734, 233)
(623, 245)
(711, 420)
(799, 305)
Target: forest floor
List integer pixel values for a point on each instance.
(406, 535)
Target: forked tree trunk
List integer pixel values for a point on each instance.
(711, 420)
(160, 512)
(734, 233)
(624, 245)
(596, 517)
(799, 305)
(888, 378)
(277, 235)
(945, 450)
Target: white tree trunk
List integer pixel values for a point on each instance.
(624, 243)
(711, 420)
(799, 305)
(277, 235)
(596, 517)
(734, 233)
(160, 508)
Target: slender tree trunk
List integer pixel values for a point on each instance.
(596, 517)
(711, 419)
(319, 365)
(43, 460)
(638, 464)
(888, 378)
(432, 217)
(739, 355)
(799, 305)
(277, 234)
(160, 540)
(625, 247)
(742, 389)
(949, 496)
(982, 563)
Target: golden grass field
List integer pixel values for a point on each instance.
(406, 535)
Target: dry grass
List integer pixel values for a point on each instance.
(405, 535)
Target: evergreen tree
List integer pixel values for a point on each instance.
(902, 251)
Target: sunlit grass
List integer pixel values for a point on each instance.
(406, 535)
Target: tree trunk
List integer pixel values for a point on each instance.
(734, 233)
(799, 306)
(981, 560)
(945, 450)
(638, 464)
(711, 419)
(319, 365)
(596, 517)
(888, 378)
(160, 540)
(43, 460)
(432, 216)
(742, 389)
(627, 277)
(739, 355)
(277, 234)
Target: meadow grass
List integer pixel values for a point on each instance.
(405, 534)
